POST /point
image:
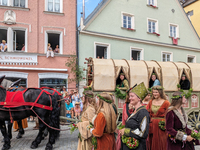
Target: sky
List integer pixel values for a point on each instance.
(89, 7)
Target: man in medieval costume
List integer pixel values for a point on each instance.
(184, 83)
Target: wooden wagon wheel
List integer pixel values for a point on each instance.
(194, 119)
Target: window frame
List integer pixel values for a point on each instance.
(2, 1)
(104, 45)
(132, 20)
(137, 49)
(191, 56)
(156, 25)
(165, 52)
(155, 3)
(177, 30)
(61, 6)
(60, 40)
(26, 38)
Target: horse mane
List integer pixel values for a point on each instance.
(2, 94)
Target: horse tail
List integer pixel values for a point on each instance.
(55, 117)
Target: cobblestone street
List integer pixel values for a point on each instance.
(66, 141)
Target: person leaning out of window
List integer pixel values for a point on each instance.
(57, 50)
(50, 51)
(3, 46)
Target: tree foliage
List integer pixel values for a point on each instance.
(77, 71)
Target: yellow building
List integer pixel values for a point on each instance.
(192, 8)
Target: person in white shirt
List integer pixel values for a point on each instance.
(3, 46)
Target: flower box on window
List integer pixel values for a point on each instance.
(130, 29)
(156, 33)
(153, 6)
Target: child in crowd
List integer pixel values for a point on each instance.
(77, 110)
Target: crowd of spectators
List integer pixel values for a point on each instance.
(73, 103)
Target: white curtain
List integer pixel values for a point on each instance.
(16, 3)
(57, 5)
(50, 5)
(22, 3)
(4, 2)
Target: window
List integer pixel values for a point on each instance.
(54, 39)
(152, 26)
(152, 3)
(54, 5)
(22, 83)
(102, 51)
(174, 31)
(127, 20)
(3, 2)
(3, 35)
(136, 54)
(18, 40)
(19, 3)
(166, 56)
(53, 82)
(191, 59)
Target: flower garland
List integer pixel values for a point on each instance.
(119, 94)
(188, 94)
(130, 142)
(157, 88)
(195, 134)
(161, 125)
(74, 127)
(120, 126)
(108, 101)
(94, 143)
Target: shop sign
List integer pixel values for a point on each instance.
(21, 58)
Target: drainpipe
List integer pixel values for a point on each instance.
(77, 40)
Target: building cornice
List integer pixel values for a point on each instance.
(30, 68)
(138, 40)
(14, 8)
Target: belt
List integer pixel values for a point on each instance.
(157, 118)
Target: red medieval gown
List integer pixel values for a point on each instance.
(157, 139)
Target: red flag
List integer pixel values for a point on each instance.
(175, 41)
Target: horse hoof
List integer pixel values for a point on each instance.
(6, 147)
(19, 137)
(34, 146)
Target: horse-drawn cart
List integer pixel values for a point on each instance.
(102, 76)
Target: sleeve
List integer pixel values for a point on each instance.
(82, 127)
(124, 114)
(188, 85)
(143, 130)
(100, 123)
(126, 85)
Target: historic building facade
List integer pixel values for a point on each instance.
(138, 30)
(192, 10)
(28, 26)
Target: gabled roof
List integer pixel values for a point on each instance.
(95, 11)
(188, 2)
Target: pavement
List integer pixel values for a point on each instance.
(66, 140)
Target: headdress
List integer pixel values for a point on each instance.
(106, 100)
(140, 90)
(178, 96)
(86, 94)
(122, 74)
(157, 88)
(153, 74)
(183, 75)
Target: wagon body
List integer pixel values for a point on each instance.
(102, 75)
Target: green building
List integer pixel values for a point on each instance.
(138, 30)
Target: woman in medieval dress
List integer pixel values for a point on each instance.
(89, 105)
(179, 136)
(157, 109)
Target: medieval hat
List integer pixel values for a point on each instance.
(122, 74)
(140, 90)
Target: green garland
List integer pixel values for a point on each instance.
(119, 94)
(188, 94)
(108, 101)
(195, 134)
(94, 142)
(161, 125)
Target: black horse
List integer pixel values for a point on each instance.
(50, 117)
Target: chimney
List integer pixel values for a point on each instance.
(83, 10)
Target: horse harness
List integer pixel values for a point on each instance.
(16, 99)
